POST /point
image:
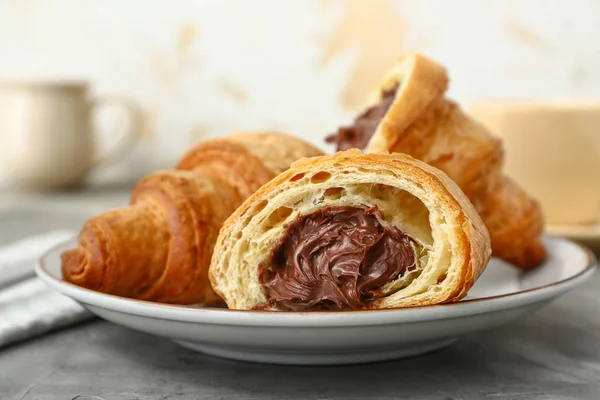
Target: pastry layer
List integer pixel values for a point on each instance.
(294, 243)
(408, 113)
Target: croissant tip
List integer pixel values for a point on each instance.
(73, 263)
(532, 256)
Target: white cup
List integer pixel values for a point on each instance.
(553, 151)
(46, 135)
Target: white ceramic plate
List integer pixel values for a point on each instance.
(499, 296)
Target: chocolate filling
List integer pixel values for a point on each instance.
(359, 133)
(335, 258)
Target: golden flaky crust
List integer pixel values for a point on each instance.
(249, 159)
(423, 123)
(277, 151)
(159, 247)
(417, 198)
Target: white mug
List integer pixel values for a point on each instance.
(46, 134)
(553, 151)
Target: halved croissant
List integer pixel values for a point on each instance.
(351, 231)
(159, 247)
(408, 113)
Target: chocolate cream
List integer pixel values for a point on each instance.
(335, 258)
(359, 133)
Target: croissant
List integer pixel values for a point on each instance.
(408, 113)
(159, 247)
(351, 231)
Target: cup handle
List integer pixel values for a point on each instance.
(125, 140)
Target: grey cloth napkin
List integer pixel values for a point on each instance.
(27, 306)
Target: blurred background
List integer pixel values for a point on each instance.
(205, 68)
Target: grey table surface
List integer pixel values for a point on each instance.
(553, 353)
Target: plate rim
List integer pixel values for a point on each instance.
(224, 316)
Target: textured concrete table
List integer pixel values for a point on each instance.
(551, 354)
